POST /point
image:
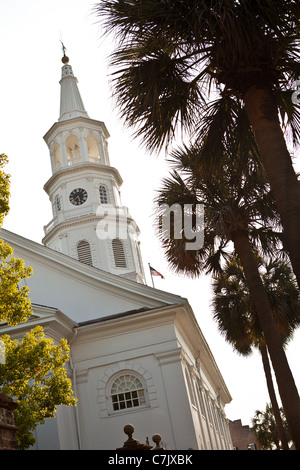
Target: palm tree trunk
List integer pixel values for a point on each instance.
(272, 394)
(263, 116)
(285, 381)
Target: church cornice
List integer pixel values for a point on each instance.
(67, 224)
(78, 221)
(54, 322)
(78, 168)
(69, 124)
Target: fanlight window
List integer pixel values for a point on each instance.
(84, 252)
(119, 254)
(56, 153)
(127, 391)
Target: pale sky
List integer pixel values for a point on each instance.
(30, 60)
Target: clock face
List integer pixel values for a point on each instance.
(78, 196)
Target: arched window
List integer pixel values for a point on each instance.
(93, 147)
(56, 153)
(127, 391)
(103, 194)
(84, 252)
(73, 150)
(119, 254)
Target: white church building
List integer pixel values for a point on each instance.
(137, 354)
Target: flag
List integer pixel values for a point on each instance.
(155, 273)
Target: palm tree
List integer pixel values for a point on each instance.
(171, 53)
(239, 211)
(237, 320)
(265, 428)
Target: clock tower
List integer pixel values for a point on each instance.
(89, 222)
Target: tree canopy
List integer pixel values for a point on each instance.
(265, 428)
(170, 55)
(35, 375)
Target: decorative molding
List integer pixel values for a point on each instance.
(169, 357)
(69, 123)
(78, 168)
(81, 376)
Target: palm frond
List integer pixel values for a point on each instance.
(235, 313)
(171, 54)
(156, 94)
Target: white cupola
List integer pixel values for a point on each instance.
(89, 222)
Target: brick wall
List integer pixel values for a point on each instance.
(242, 436)
(8, 430)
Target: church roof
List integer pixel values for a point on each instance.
(80, 287)
(117, 315)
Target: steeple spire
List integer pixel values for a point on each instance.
(71, 104)
(89, 221)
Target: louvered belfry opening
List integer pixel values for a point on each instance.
(103, 195)
(119, 254)
(84, 252)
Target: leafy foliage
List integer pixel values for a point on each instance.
(266, 430)
(171, 54)
(235, 312)
(237, 198)
(4, 188)
(15, 305)
(35, 376)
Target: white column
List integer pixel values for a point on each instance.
(177, 399)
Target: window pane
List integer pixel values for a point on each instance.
(127, 392)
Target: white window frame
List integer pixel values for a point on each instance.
(129, 399)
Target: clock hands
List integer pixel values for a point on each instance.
(78, 196)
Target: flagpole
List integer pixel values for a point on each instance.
(151, 274)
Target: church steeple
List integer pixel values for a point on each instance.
(89, 222)
(71, 104)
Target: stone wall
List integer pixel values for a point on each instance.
(8, 430)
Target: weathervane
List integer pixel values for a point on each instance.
(65, 59)
(63, 47)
